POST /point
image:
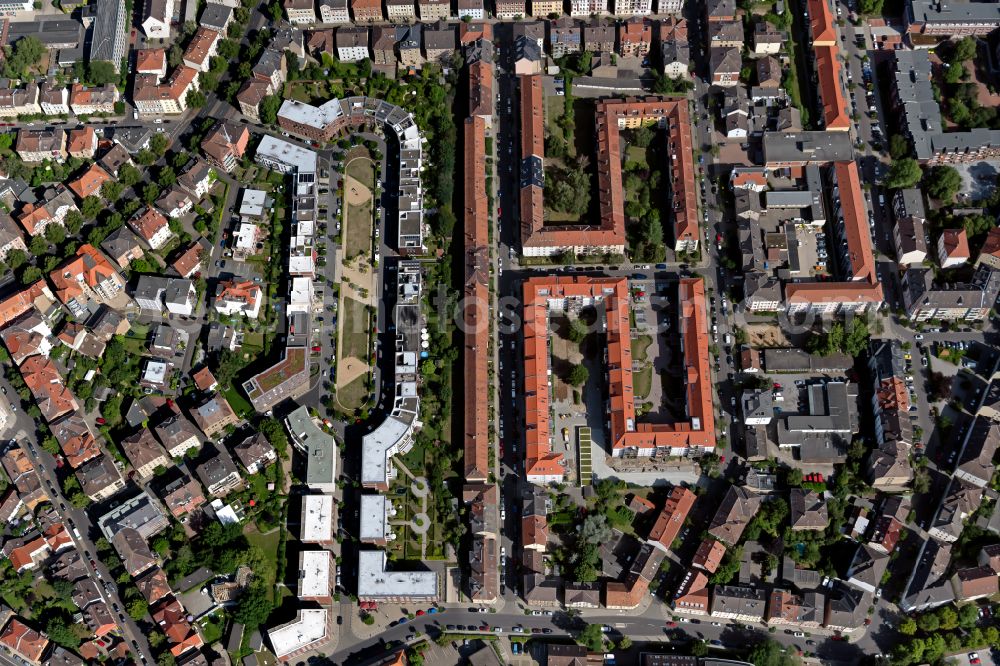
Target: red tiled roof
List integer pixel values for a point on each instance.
(90, 182)
(476, 308)
(46, 385)
(956, 243)
(149, 223)
(24, 640)
(828, 67)
(852, 207)
(821, 23)
(670, 521)
(89, 265)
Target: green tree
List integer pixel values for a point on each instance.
(899, 147)
(591, 637)
(91, 207)
(578, 375)
(269, 109)
(101, 72)
(275, 434)
(55, 233)
(31, 275)
(870, 7)
(794, 477)
(943, 183)
(769, 652)
(23, 55)
(965, 50)
(857, 337)
(577, 331)
(128, 175)
(159, 144)
(908, 626)
(112, 190)
(947, 617)
(195, 99)
(968, 615)
(137, 609)
(625, 643)
(903, 173)
(150, 193)
(928, 622)
(254, 606)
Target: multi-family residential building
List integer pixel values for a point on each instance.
(272, 68)
(216, 17)
(214, 415)
(219, 473)
(170, 97)
(201, 48)
(970, 300)
(585, 8)
(85, 279)
(565, 36)
(55, 205)
(239, 299)
(400, 10)
(156, 18)
(546, 8)
(633, 7)
(42, 144)
(433, 10)
(509, 9)
(250, 96)
(153, 61)
(352, 43)
(953, 248)
(410, 41)
(20, 101)
(89, 183)
(334, 11)
(255, 453)
(675, 49)
(53, 98)
(957, 19)
(156, 294)
(367, 11)
(123, 246)
(300, 12)
(144, 453)
(109, 33)
(767, 40)
(152, 227)
(599, 37)
(384, 44)
(471, 9)
(10, 236)
(635, 36)
(82, 142)
(226, 144)
(725, 64)
(440, 42)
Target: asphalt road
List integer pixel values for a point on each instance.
(23, 429)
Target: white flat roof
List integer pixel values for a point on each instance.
(307, 628)
(301, 295)
(375, 447)
(307, 114)
(375, 581)
(246, 235)
(286, 152)
(315, 573)
(317, 518)
(301, 264)
(253, 203)
(374, 511)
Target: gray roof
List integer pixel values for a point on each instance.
(440, 38)
(110, 31)
(812, 146)
(920, 292)
(120, 241)
(739, 599)
(215, 16)
(218, 467)
(53, 33)
(96, 475)
(931, 11)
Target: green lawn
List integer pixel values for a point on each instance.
(238, 402)
(640, 346)
(354, 395)
(358, 219)
(643, 382)
(268, 543)
(354, 329)
(212, 628)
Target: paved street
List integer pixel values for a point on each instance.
(22, 429)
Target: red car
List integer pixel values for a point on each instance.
(101, 421)
(317, 349)
(671, 624)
